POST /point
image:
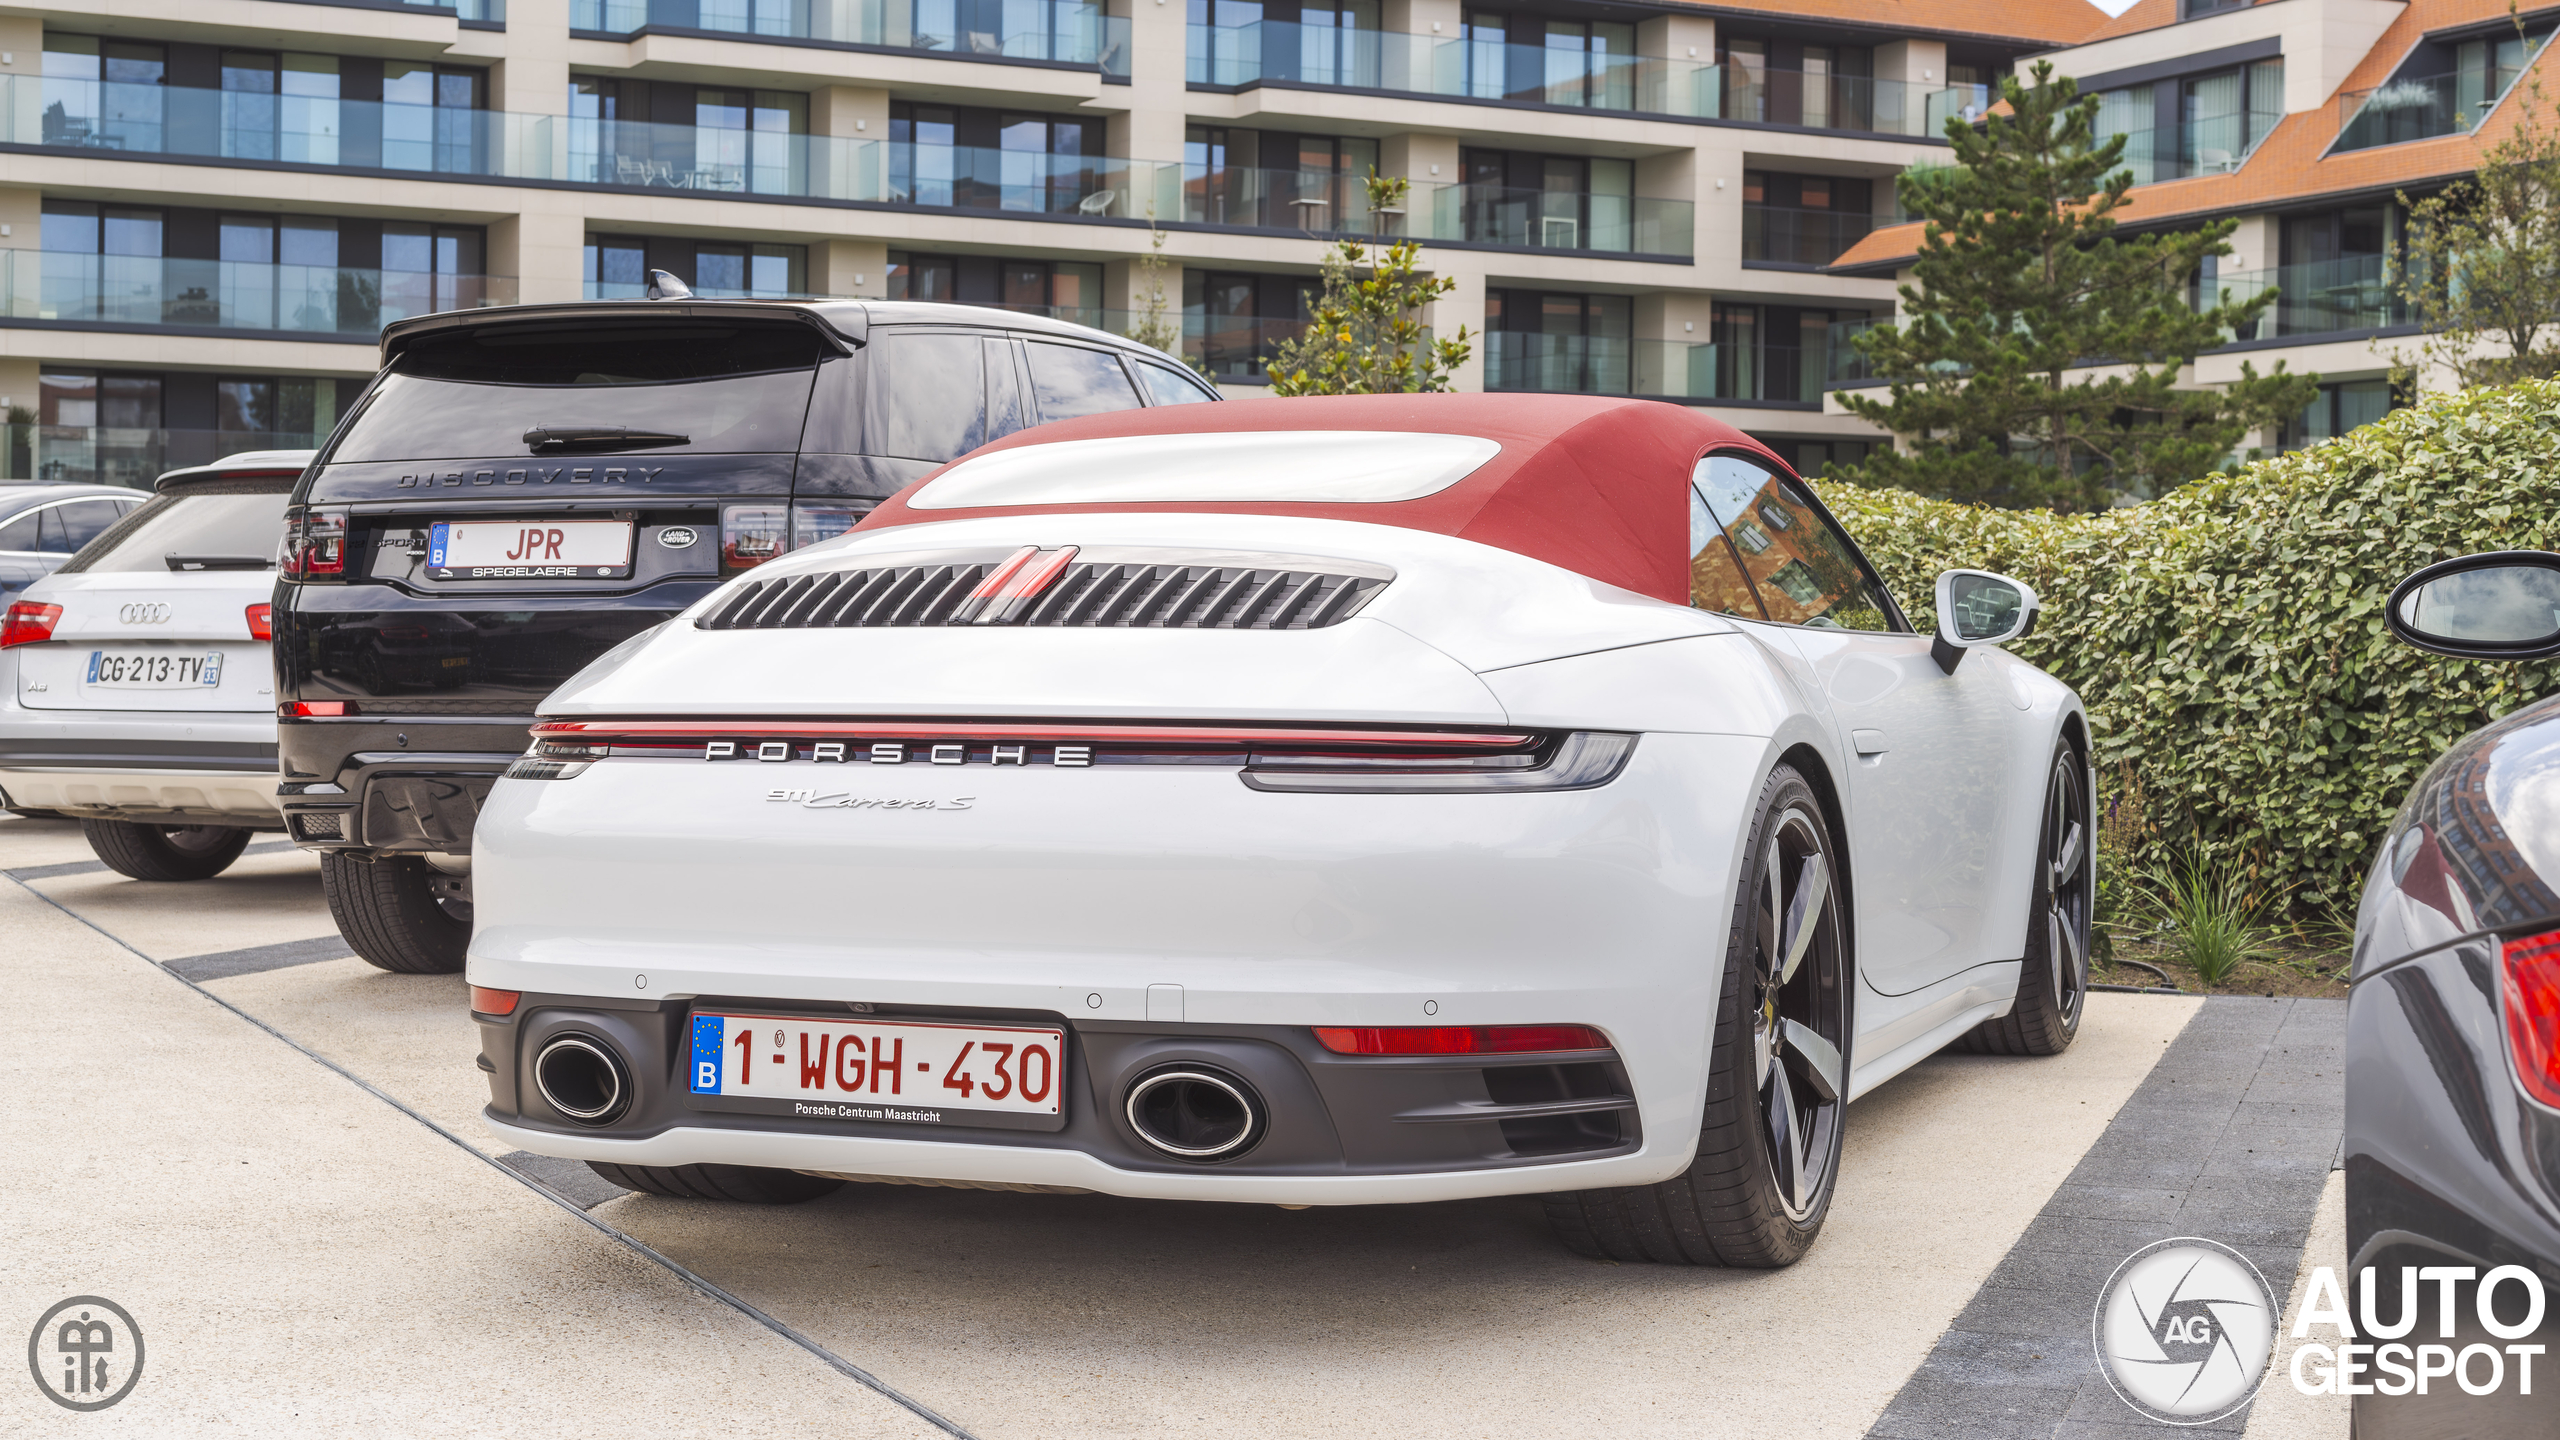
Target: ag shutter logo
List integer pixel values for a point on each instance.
(86, 1353)
(2183, 1331)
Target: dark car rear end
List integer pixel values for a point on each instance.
(523, 489)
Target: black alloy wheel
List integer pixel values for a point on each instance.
(1778, 1076)
(2053, 979)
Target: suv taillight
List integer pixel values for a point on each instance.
(28, 622)
(315, 545)
(261, 618)
(2533, 1013)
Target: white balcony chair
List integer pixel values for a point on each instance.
(1097, 203)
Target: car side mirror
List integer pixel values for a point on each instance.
(1976, 607)
(2503, 605)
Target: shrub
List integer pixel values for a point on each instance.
(2228, 637)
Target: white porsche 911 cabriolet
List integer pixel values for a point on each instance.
(1311, 802)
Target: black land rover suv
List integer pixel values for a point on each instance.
(523, 488)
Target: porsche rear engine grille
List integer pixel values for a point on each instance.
(1091, 594)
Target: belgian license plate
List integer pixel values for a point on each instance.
(529, 549)
(155, 669)
(900, 1071)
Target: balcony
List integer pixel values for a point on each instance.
(1059, 32)
(2417, 108)
(1560, 220)
(1796, 376)
(1790, 235)
(1278, 52)
(323, 302)
(82, 455)
(2320, 297)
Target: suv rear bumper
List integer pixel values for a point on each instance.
(392, 785)
(188, 796)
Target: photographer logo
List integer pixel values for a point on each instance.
(86, 1353)
(2183, 1331)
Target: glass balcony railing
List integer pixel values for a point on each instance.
(1673, 369)
(711, 160)
(141, 290)
(2416, 108)
(970, 177)
(1072, 32)
(2316, 298)
(1314, 201)
(1280, 52)
(1559, 220)
(85, 455)
(1789, 235)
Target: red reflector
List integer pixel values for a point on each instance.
(1459, 1039)
(485, 1001)
(28, 622)
(316, 707)
(2533, 1013)
(262, 622)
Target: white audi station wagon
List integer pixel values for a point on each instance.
(137, 694)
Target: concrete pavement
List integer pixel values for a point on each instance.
(306, 1258)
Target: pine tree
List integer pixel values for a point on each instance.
(2039, 354)
(1366, 336)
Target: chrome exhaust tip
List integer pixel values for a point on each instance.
(1195, 1112)
(582, 1078)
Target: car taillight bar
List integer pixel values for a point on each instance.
(1229, 737)
(315, 709)
(315, 545)
(2533, 1013)
(262, 621)
(27, 622)
(485, 1001)
(1458, 1039)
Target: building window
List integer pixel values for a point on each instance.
(1553, 202)
(97, 427)
(1588, 64)
(1062, 289)
(1234, 324)
(1803, 219)
(1317, 184)
(1782, 353)
(2444, 87)
(1785, 82)
(2336, 269)
(104, 93)
(617, 267)
(1582, 344)
(970, 159)
(261, 412)
(2223, 116)
(2338, 408)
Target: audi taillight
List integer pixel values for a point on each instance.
(262, 621)
(28, 622)
(2533, 1013)
(315, 545)
(1457, 1039)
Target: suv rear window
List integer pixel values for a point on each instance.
(724, 388)
(221, 525)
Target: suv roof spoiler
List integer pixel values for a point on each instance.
(245, 465)
(846, 323)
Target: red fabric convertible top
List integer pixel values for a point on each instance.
(1593, 484)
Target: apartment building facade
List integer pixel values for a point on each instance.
(207, 211)
(2311, 123)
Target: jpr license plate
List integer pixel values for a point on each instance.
(529, 549)
(155, 669)
(900, 1071)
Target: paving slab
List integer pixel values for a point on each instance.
(261, 900)
(304, 1259)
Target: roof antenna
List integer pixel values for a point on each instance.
(663, 286)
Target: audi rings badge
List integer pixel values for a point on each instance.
(141, 613)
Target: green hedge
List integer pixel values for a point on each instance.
(2228, 638)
